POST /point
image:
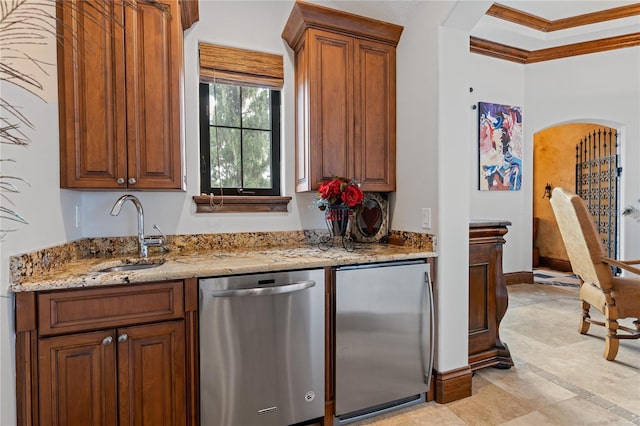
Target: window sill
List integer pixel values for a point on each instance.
(241, 204)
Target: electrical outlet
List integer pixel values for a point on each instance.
(77, 208)
(426, 218)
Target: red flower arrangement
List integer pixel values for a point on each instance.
(340, 191)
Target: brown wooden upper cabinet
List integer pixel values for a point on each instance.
(120, 94)
(345, 81)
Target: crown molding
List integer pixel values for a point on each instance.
(541, 24)
(517, 17)
(498, 50)
(308, 15)
(593, 46)
(522, 56)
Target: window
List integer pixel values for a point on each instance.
(239, 139)
(240, 131)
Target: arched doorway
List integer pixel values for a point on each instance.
(554, 164)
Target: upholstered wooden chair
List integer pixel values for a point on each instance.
(615, 297)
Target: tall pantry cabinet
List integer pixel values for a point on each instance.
(345, 81)
(120, 94)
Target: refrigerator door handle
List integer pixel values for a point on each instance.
(265, 291)
(427, 329)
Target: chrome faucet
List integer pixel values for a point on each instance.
(143, 242)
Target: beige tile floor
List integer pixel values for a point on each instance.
(559, 378)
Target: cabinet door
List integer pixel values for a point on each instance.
(482, 300)
(154, 84)
(330, 106)
(375, 115)
(151, 374)
(77, 380)
(91, 95)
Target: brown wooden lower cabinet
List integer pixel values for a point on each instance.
(151, 374)
(488, 298)
(137, 373)
(78, 379)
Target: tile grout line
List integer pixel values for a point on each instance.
(585, 394)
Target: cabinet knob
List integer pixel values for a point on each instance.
(132, 181)
(107, 340)
(122, 338)
(120, 181)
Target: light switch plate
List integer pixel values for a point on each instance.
(426, 218)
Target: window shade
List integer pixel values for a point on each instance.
(240, 66)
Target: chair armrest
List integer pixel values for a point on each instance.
(622, 265)
(631, 262)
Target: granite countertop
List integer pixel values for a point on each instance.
(84, 272)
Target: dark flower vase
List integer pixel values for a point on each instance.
(338, 220)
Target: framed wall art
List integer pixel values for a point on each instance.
(499, 147)
(372, 221)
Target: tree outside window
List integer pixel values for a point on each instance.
(240, 139)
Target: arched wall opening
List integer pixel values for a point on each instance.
(554, 164)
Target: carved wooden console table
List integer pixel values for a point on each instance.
(488, 298)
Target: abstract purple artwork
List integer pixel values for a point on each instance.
(500, 147)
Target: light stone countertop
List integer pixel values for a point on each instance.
(84, 272)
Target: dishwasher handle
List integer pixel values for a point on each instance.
(265, 291)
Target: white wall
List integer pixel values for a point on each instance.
(452, 290)
(417, 119)
(7, 363)
(602, 88)
(599, 88)
(431, 143)
(502, 82)
(48, 209)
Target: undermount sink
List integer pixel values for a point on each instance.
(122, 266)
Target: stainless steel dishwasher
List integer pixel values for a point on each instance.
(384, 329)
(262, 349)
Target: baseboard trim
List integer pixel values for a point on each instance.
(555, 264)
(523, 277)
(453, 385)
